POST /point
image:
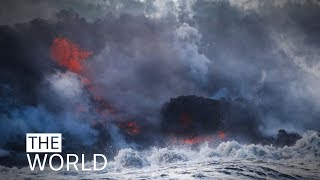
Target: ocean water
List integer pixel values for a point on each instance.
(229, 160)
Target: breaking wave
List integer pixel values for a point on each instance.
(131, 159)
(306, 149)
(226, 161)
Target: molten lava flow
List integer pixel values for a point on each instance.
(131, 128)
(196, 140)
(221, 134)
(68, 54)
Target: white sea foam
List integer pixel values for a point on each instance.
(229, 159)
(307, 148)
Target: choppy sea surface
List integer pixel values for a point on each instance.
(229, 160)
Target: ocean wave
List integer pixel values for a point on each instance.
(228, 160)
(307, 148)
(130, 158)
(166, 155)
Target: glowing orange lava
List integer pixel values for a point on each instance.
(196, 140)
(221, 134)
(68, 54)
(131, 128)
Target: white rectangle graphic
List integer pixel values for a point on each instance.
(43, 142)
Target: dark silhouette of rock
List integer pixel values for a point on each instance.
(191, 115)
(286, 139)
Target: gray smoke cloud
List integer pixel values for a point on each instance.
(265, 52)
(262, 52)
(19, 11)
